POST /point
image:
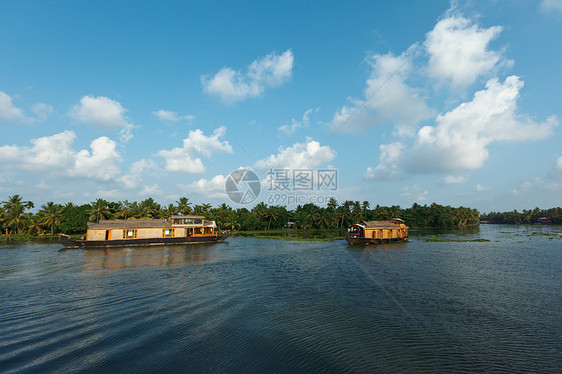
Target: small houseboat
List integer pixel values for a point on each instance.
(375, 232)
(136, 232)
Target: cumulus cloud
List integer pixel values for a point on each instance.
(186, 159)
(54, 154)
(232, 86)
(414, 193)
(42, 110)
(552, 6)
(134, 178)
(460, 137)
(458, 50)
(387, 98)
(389, 159)
(290, 129)
(168, 115)
(298, 156)
(454, 179)
(9, 112)
(214, 187)
(100, 111)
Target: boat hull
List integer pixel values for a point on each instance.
(88, 244)
(365, 241)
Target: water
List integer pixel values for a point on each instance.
(259, 306)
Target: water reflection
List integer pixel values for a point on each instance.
(136, 257)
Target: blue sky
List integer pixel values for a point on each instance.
(426, 101)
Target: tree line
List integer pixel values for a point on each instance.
(15, 217)
(554, 215)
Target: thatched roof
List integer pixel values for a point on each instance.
(387, 224)
(128, 224)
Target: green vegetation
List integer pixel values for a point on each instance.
(553, 215)
(305, 222)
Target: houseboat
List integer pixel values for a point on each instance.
(375, 232)
(139, 232)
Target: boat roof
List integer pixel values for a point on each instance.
(136, 223)
(391, 224)
(110, 224)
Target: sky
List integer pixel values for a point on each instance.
(402, 102)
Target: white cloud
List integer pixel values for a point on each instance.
(168, 115)
(54, 154)
(460, 137)
(42, 110)
(101, 163)
(232, 86)
(289, 130)
(186, 159)
(414, 193)
(134, 179)
(151, 190)
(387, 98)
(11, 113)
(481, 188)
(552, 6)
(454, 179)
(298, 156)
(214, 187)
(459, 52)
(100, 111)
(388, 167)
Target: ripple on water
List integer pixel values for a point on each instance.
(264, 306)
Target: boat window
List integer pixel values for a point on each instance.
(168, 232)
(188, 220)
(197, 221)
(129, 234)
(177, 221)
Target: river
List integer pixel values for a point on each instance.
(260, 306)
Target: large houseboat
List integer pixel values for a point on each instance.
(138, 232)
(375, 232)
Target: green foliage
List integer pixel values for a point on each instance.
(554, 215)
(72, 219)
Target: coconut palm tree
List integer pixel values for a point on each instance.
(152, 206)
(34, 224)
(51, 215)
(138, 211)
(183, 206)
(14, 208)
(98, 210)
(365, 206)
(123, 209)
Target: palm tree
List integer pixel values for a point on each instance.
(231, 221)
(202, 209)
(170, 210)
(365, 206)
(138, 211)
(98, 210)
(123, 210)
(152, 206)
(33, 224)
(273, 215)
(51, 214)
(183, 206)
(14, 208)
(332, 203)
